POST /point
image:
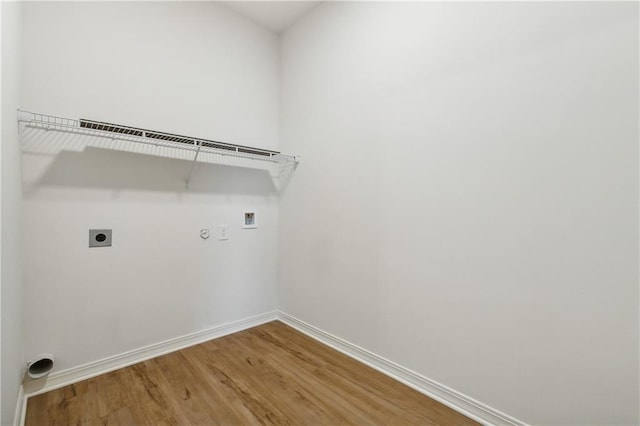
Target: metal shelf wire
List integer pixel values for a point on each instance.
(136, 135)
(68, 134)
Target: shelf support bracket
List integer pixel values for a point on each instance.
(193, 166)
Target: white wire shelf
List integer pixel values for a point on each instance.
(43, 134)
(136, 135)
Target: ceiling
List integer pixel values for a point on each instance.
(274, 15)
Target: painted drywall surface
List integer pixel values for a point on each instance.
(182, 67)
(191, 68)
(12, 357)
(468, 201)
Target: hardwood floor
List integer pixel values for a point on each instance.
(270, 374)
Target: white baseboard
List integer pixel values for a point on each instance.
(463, 404)
(441, 393)
(102, 366)
(18, 416)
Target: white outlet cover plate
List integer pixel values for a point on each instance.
(224, 232)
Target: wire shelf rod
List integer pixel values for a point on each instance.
(148, 137)
(193, 166)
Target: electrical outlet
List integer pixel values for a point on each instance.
(99, 237)
(224, 232)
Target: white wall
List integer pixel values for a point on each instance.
(468, 201)
(12, 357)
(191, 68)
(182, 67)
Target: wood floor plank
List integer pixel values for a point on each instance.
(286, 384)
(266, 379)
(261, 407)
(112, 395)
(267, 375)
(379, 388)
(121, 417)
(201, 401)
(365, 406)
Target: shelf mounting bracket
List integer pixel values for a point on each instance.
(193, 165)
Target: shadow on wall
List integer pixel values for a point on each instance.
(117, 170)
